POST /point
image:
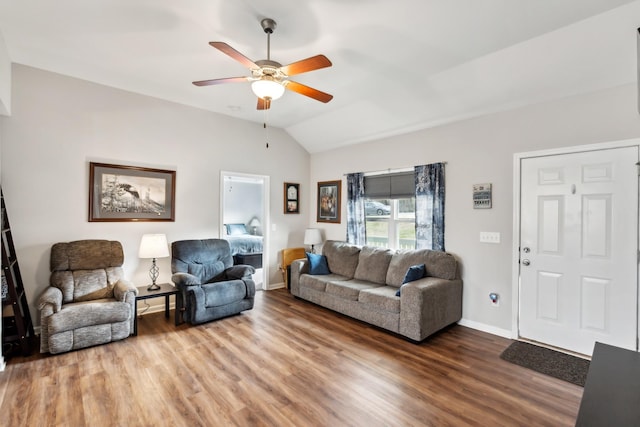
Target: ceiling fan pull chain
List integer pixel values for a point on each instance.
(266, 129)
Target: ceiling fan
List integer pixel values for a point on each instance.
(269, 78)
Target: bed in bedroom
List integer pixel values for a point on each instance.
(246, 248)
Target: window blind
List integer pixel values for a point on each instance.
(390, 186)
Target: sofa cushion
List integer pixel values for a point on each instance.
(86, 255)
(83, 314)
(206, 259)
(373, 264)
(86, 285)
(317, 264)
(381, 298)
(319, 283)
(223, 293)
(437, 264)
(348, 289)
(414, 273)
(342, 257)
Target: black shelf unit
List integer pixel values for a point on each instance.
(17, 326)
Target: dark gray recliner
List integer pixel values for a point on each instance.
(210, 285)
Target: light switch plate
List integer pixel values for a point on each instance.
(489, 237)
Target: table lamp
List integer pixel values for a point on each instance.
(153, 246)
(254, 224)
(312, 237)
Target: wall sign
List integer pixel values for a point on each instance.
(482, 196)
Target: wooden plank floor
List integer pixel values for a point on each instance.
(284, 363)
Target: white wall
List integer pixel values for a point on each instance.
(481, 151)
(5, 79)
(242, 202)
(59, 124)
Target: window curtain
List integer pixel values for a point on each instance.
(356, 230)
(430, 206)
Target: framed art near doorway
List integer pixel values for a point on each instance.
(329, 201)
(291, 198)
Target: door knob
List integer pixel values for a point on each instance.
(525, 262)
(526, 250)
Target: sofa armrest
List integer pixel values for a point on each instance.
(428, 305)
(122, 288)
(240, 271)
(185, 279)
(298, 267)
(50, 301)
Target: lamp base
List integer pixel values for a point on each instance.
(153, 287)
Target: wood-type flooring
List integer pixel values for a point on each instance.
(287, 362)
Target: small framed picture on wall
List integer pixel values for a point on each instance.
(291, 198)
(329, 201)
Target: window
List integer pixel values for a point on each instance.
(390, 223)
(390, 210)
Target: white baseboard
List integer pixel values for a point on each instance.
(273, 286)
(2, 364)
(504, 333)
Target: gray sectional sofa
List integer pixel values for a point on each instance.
(363, 283)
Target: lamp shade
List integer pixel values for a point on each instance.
(153, 246)
(312, 236)
(255, 222)
(266, 88)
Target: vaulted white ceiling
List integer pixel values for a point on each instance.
(397, 65)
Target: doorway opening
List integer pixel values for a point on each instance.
(244, 219)
(576, 223)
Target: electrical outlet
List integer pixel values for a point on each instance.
(489, 237)
(495, 299)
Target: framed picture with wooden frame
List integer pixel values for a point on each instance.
(329, 193)
(130, 193)
(291, 198)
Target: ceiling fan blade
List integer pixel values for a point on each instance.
(308, 91)
(220, 81)
(264, 104)
(305, 65)
(225, 48)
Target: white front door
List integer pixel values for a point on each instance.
(579, 249)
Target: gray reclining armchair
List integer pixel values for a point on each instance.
(88, 301)
(210, 285)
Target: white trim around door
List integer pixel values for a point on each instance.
(517, 182)
(266, 226)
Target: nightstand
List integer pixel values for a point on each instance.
(166, 290)
(253, 259)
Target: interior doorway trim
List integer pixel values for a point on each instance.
(515, 250)
(266, 228)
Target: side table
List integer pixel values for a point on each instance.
(166, 290)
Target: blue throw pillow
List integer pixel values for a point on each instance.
(317, 264)
(414, 273)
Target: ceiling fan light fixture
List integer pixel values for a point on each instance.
(267, 89)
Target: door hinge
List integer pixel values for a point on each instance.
(638, 168)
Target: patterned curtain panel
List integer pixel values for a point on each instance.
(430, 206)
(356, 230)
